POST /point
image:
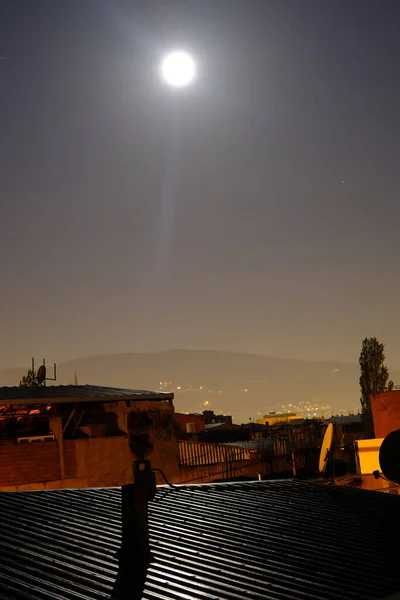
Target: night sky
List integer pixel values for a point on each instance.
(256, 211)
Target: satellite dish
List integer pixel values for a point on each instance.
(41, 375)
(389, 456)
(325, 447)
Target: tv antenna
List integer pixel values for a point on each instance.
(325, 452)
(41, 374)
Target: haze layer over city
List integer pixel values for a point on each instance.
(253, 212)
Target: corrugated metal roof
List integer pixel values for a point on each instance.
(75, 393)
(259, 540)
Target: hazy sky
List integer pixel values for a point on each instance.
(139, 217)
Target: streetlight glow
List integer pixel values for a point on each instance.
(178, 69)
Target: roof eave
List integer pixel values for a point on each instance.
(84, 399)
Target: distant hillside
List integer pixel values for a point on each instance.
(224, 378)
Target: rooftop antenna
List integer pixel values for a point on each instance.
(325, 449)
(41, 374)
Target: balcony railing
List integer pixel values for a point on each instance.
(194, 454)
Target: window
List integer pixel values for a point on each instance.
(191, 427)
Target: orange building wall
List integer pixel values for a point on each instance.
(29, 463)
(91, 462)
(386, 412)
(182, 419)
(103, 462)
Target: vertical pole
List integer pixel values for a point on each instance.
(135, 516)
(134, 556)
(56, 427)
(294, 465)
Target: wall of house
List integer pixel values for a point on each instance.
(98, 462)
(284, 418)
(92, 462)
(146, 431)
(181, 421)
(107, 461)
(386, 413)
(28, 463)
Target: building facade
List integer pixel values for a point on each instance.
(274, 418)
(385, 412)
(87, 436)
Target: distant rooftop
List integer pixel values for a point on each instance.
(344, 420)
(276, 415)
(210, 426)
(55, 394)
(255, 426)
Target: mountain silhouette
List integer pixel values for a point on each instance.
(245, 385)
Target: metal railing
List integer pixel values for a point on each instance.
(266, 447)
(194, 454)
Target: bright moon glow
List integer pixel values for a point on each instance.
(178, 69)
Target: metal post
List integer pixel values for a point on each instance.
(134, 556)
(135, 519)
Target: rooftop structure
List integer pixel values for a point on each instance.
(261, 540)
(344, 420)
(81, 436)
(57, 394)
(273, 418)
(210, 418)
(386, 412)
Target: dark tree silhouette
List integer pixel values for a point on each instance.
(29, 380)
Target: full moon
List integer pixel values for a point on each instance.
(178, 69)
